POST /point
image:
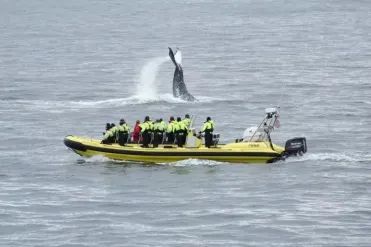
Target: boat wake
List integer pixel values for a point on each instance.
(337, 157)
(194, 162)
(332, 157)
(99, 159)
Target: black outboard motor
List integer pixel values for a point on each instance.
(296, 146)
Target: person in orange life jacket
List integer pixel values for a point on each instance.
(208, 128)
(170, 130)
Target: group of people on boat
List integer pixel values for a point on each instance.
(157, 132)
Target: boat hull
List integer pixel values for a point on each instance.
(170, 153)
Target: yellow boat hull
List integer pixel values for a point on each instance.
(254, 152)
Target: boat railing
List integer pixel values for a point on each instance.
(266, 126)
(163, 137)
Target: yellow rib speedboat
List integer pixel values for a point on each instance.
(254, 147)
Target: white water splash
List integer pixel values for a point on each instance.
(338, 157)
(195, 162)
(97, 159)
(147, 87)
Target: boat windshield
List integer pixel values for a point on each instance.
(193, 120)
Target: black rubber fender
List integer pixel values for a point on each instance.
(74, 145)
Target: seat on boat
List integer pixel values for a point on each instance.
(130, 139)
(216, 138)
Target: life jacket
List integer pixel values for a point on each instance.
(163, 125)
(187, 122)
(144, 127)
(170, 127)
(208, 127)
(123, 128)
(150, 126)
(159, 127)
(212, 125)
(110, 136)
(179, 126)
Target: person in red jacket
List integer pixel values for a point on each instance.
(136, 131)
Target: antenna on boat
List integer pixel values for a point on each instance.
(269, 122)
(279, 101)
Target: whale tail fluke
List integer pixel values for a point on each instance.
(179, 87)
(171, 55)
(176, 57)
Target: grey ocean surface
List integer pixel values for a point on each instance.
(68, 67)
